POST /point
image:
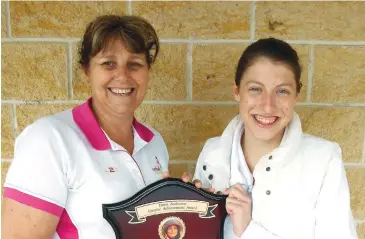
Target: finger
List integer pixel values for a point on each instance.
(237, 186)
(237, 190)
(186, 177)
(165, 174)
(235, 207)
(211, 190)
(197, 183)
(240, 187)
(236, 201)
(238, 194)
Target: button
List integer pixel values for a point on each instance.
(204, 167)
(210, 177)
(270, 157)
(219, 193)
(268, 192)
(268, 169)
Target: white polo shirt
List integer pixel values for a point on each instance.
(300, 189)
(67, 166)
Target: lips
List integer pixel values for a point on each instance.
(265, 120)
(121, 91)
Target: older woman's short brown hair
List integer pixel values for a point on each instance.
(136, 33)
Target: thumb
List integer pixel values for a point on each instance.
(165, 174)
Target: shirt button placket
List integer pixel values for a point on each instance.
(268, 169)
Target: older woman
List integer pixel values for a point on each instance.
(67, 165)
(281, 183)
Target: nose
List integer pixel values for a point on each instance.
(269, 103)
(122, 73)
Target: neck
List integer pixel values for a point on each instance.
(118, 127)
(254, 149)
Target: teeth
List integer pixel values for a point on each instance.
(264, 120)
(121, 91)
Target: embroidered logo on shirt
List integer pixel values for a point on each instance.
(158, 167)
(111, 170)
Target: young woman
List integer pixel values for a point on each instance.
(281, 183)
(172, 230)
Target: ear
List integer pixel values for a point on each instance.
(236, 93)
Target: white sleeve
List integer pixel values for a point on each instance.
(36, 175)
(333, 212)
(253, 231)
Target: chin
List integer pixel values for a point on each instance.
(265, 134)
(125, 110)
(265, 137)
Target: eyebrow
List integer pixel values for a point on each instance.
(111, 56)
(259, 83)
(253, 81)
(106, 56)
(138, 57)
(286, 84)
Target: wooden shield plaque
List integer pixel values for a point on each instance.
(168, 209)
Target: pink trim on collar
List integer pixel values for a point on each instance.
(85, 119)
(145, 133)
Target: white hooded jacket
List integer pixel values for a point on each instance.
(300, 190)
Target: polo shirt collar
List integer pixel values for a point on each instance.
(86, 121)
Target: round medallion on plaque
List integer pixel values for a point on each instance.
(172, 228)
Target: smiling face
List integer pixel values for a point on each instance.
(118, 78)
(172, 231)
(267, 96)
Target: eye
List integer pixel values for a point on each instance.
(135, 65)
(283, 92)
(107, 63)
(255, 89)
